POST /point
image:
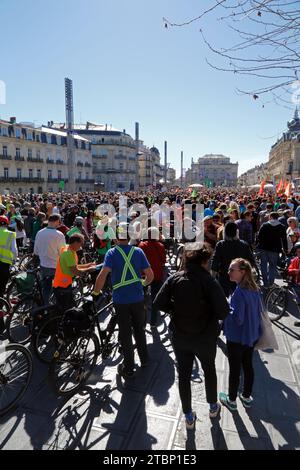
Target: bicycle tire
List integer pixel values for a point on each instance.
(5, 311)
(73, 376)
(28, 359)
(44, 339)
(276, 303)
(18, 324)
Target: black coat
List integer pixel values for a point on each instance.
(196, 300)
(225, 252)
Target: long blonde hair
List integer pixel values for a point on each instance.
(248, 281)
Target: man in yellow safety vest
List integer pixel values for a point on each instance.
(8, 252)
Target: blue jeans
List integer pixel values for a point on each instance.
(269, 261)
(47, 276)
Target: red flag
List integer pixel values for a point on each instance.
(279, 187)
(288, 189)
(261, 189)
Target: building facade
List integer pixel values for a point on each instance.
(114, 156)
(213, 170)
(36, 160)
(254, 176)
(150, 171)
(284, 157)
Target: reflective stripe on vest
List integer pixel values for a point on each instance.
(127, 266)
(6, 239)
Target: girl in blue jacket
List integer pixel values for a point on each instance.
(242, 330)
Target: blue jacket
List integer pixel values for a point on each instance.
(242, 325)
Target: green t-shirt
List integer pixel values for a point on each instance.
(109, 236)
(68, 259)
(73, 231)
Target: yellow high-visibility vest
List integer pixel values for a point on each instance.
(6, 239)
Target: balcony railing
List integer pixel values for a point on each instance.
(87, 165)
(111, 142)
(60, 162)
(15, 179)
(35, 159)
(5, 157)
(84, 181)
(79, 164)
(19, 159)
(50, 161)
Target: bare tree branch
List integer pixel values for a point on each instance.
(267, 45)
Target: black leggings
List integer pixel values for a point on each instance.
(186, 350)
(240, 357)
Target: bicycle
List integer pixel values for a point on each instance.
(45, 335)
(15, 375)
(76, 356)
(277, 300)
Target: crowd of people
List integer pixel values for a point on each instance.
(215, 288)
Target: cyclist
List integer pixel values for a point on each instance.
(66, 269)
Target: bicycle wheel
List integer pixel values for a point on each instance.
(18, 323)
(276, 303)
(74, 364)
(45, 339)
(15, 375)
(4, 313)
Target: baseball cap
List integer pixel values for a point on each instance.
(4, 220)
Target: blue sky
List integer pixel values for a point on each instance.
(127, 67)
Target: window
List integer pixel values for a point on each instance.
(5, 172)
(49, 174)
(37, 138)
(19, 173)
(38, 154)
(79, 175)
(29, 153)
(58, 140)
(103, 165)
(86, 176)
(18, 153)
(59, 174)
(121, 166)
(48, 138)
(30, 174)
(18, 133)
(29, 135)
(4, 150)
(4, 131)
(39, 174)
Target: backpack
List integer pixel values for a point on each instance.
(76, 321)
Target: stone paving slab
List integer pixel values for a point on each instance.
(145, 413)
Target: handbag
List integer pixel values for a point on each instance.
(267, 339)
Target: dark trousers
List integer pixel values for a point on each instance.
(132, 319)
(240, 357)
(47, 276)
(155, 287)
(64, 298)
(186, 349)
(4, 276)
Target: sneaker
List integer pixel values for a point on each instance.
(124, 373)
(247, 402)
(224, 399)
(190, 420)
(214, 410)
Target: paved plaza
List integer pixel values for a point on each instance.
(145, 412)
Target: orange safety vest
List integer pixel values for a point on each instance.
(61, 279)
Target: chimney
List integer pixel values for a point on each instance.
(137, 131)
(124, 131)
(106, 127)
(87, 125)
